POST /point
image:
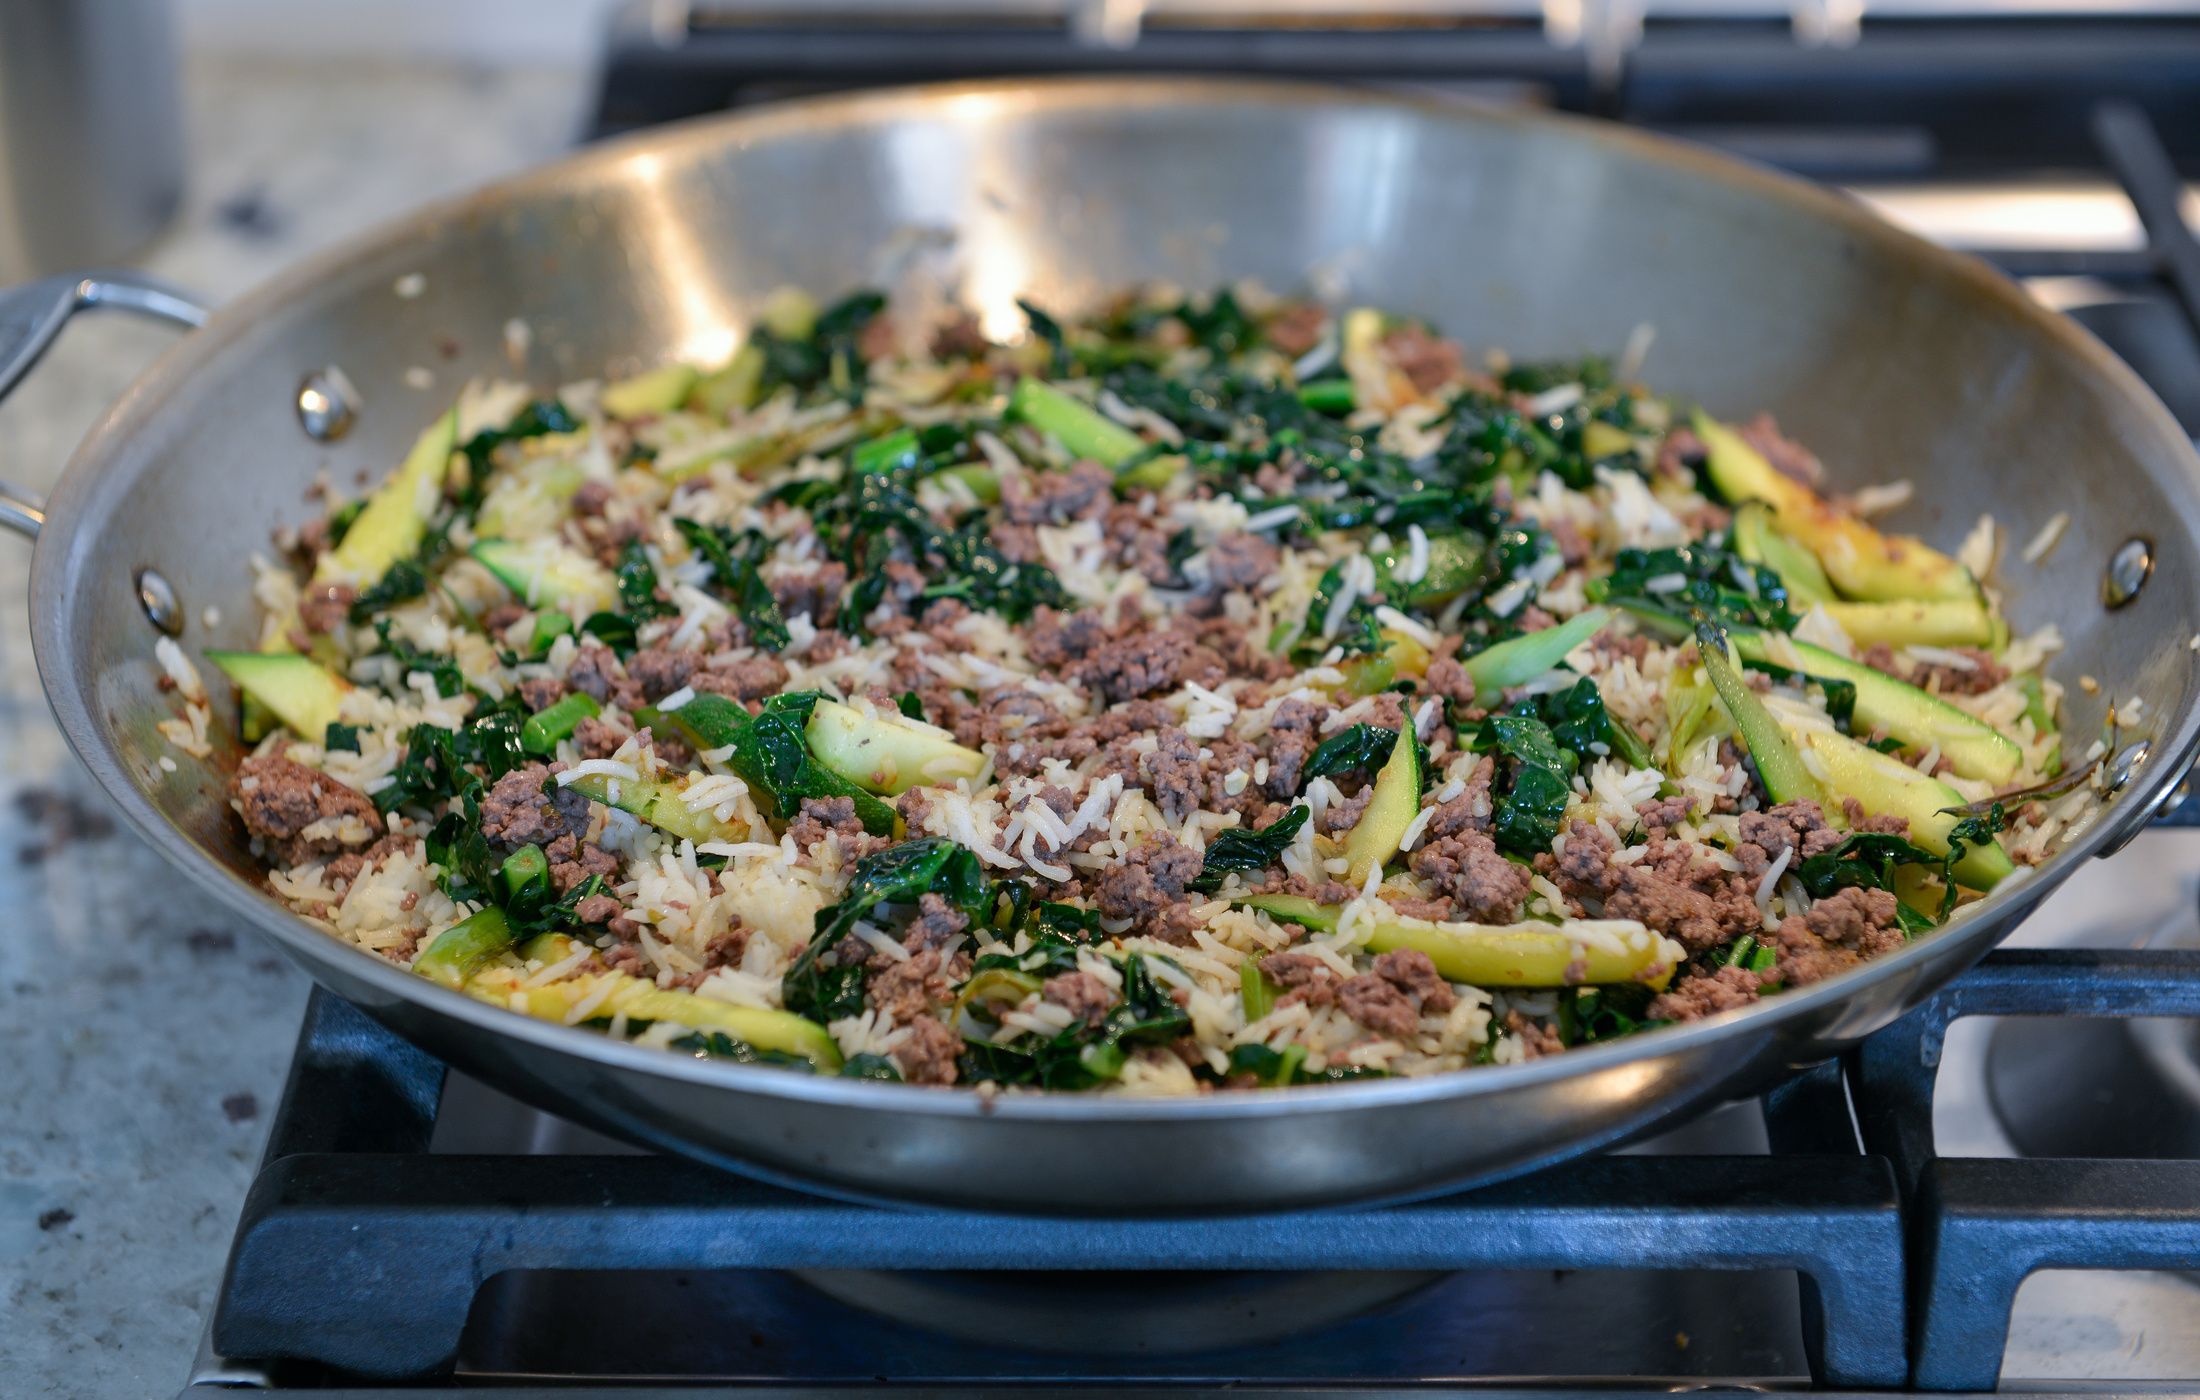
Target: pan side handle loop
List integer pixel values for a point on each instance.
(31, 318)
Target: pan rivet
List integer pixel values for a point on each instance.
(2128, 570)
(158, 599)
(2125, 767)
(327, 404)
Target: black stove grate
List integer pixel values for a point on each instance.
(1980, 1226)
(360, 1255)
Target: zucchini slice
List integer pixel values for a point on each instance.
(650, 395)
(887, 753)
(1920, 720)
(1936, 622)
(615, 993)
(1579, 952)
(661, 804)
(1523, 658)
(1397, 801)
(1862, 562)
(1886, 786)
(1779, 762)
(394, 521)
(1077, 425)
(1757, 540)
(547, 571)
(305, 695)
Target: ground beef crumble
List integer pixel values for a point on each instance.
(929, 1053)
(1302, 977)
(283, 801)
(1081, 994)
(1699, 995)
(1147, 886)
(527, 808)
(1847, 927)
(1391, 998)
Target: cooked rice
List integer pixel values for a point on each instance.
(1310, 644)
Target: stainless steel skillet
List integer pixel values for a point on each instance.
(1541, 235)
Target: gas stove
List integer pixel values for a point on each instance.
(2001, 1190)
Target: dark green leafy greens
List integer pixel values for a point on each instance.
(878, 511)
(1082, 1055)
(1360, 751)
(1273, 1069)
(1581, 724)
(1241, 851)
(825, 989)
(449, 679)
(405, 581)
(717, 1045)
(735, 573)
(1538, 781)
(826, 359)
(771, 753)
(1704, 578)
(639, 592)
(1869, 859)
(1604, 1013)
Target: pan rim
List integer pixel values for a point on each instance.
(173, 372)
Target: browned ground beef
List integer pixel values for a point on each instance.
(928, 1055)
(281, 800)
(1486, 887)
(527, 808)
(1081, 994)
(1147, 886)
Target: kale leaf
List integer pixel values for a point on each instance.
(1357, 633)
(405, 580)
(1049, 332)
(1703, 577)
(825, 359)
(1276, 1068)
(434, 767)
(1526, 817)
(1243, 851)
(1870, 858)
(1580, 722)
(869, 1066)
(614, 630)
(1082, 1055)
(537, 419)
(824, 989)
(878, 511)
(1361, 750)
(637, 580)
(1220, 326)
(735, 561)
(1604, 1013)
(449, 679)
(717, 1045)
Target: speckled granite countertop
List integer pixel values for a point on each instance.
(143, 1036)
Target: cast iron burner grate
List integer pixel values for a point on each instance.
(361, 1255)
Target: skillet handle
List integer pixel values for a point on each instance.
(31, 318)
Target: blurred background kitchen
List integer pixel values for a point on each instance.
(215, 141)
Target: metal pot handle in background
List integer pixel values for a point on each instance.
(31, 317)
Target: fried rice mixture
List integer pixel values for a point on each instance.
(1210, 693)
